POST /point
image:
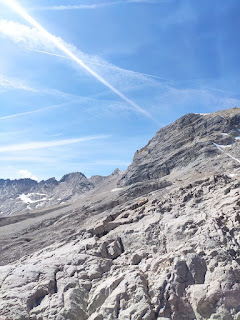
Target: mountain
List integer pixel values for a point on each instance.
(25, 194)
(186, 144)
(159, 241)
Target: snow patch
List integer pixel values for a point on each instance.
(116, 189)
(220, 147)
(38, 194)
(39, 205)
(232, 175)
(26, 198)
(233, 157)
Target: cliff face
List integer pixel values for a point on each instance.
(188, 142)
(144, 244)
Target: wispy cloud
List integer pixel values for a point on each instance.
(12, 83)
(89, 104)
(179, 98)
(77, 7)
(48, 144)
(37, 38)
(57, 134)
(96, 5)
(105, 65)
(26, 174)
(25, 36)
(16, 115)
(11, 133)
(34, 40)
(149, 1)
(64, 48)
(29, 159)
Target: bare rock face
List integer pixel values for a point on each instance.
(25, 194)
(165, 248)
(188, 141)
(152, 259)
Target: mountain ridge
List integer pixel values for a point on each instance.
(138, 246)
(184, 143)
(177, 149)
(28, 194)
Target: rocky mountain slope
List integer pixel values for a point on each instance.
(188, 142)
(26, 194)
(150, 243)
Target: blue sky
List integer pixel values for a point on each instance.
(104, 76)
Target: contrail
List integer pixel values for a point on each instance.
(94, 5)
(101, 65)
(33, 111)
(18, 9)
(78, 7)
(47, 144)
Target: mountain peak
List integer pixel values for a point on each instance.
(73, 175)
(185, 143)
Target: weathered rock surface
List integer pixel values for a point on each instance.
(26, 194)
(187, 142)
(161, 249)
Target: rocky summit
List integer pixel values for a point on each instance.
(159, 241)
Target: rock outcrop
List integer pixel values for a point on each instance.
(188, 142)
(25, 194)
(160, 248)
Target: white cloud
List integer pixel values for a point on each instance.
(37, 38)
(77, 7)
(29, 159)
(70, 51)
(26, 174)
(93, 106)
(11, 133)
(16, 115)
(12, 83)
(57, 134)
(105, 65)
(95, 5)
(164, 96)
(24, 35)
(149, 1)
(174, 98)
(34, 40)
(47, 144)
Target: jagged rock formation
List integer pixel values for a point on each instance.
(26, 194)
(188, 142)
(162, 248)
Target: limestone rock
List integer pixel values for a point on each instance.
(156, 249)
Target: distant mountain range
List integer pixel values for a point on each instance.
(26, 194)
